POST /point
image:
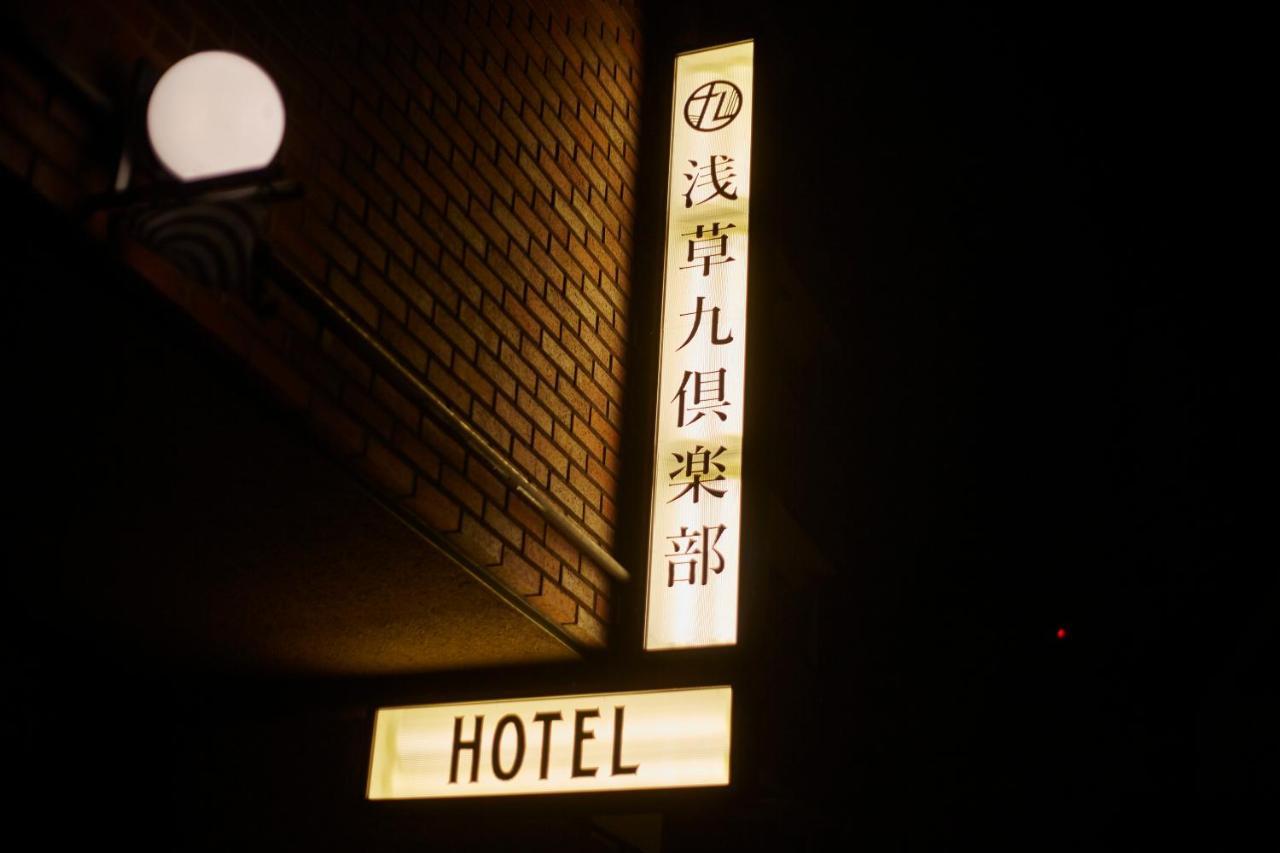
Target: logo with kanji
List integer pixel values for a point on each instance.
(713, 105)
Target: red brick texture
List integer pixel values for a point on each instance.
(470, 175)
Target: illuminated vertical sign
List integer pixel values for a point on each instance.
(695, 532)
(556, 744)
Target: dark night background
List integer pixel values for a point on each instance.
(996, 364)
(998, 357)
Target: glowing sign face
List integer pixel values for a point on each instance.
(696, 507)
(557, 744)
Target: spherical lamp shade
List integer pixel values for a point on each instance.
(215, 113)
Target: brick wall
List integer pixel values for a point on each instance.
(470, 174)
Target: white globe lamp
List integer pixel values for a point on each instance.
(215, 113)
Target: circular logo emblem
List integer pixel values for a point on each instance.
(713, 105)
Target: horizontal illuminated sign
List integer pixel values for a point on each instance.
(696, 518)
(556, 744)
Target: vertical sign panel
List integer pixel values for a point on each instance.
(556, 744)
(697, 495)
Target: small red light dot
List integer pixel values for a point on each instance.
(1062, 633)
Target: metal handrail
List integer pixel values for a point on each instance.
(298, 284)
